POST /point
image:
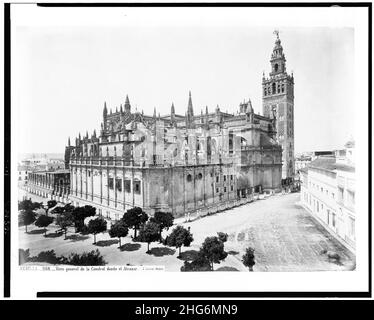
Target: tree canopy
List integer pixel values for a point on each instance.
(179, 237)
(118, 230)
(27, 217)
(213, 249)
(29, 205)
(43, 221)
(80, 214)
(149, 233)
(96, 226)
(135, 217)
(164, 220)
(249, 258)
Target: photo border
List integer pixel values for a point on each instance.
(170, 294)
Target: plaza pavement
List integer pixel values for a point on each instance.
(284, 235)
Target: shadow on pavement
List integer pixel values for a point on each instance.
(54, 234)
(226, 269)
(234, 253)
(161, 251)
(76, 237)
(36, 231)
(188, 255)
(130, 247)
(106, 243)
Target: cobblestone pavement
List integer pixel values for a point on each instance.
(284, 235)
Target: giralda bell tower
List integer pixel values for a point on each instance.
(278, 102)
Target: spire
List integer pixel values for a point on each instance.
(154, 113)
(116, 109)
(94, 133)
(120, 109)
(172, 113)
(190, 107)
(127, 105)
(69, 142)
(190, 117)
(87, 134)
(105, 112)
(206, 110)
(79, 136)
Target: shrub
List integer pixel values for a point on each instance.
(23, 256)
(47, 256)
(92, 258)
(201, 263)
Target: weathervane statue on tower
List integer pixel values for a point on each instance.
(276, 32)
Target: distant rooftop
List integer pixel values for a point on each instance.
(329, 164)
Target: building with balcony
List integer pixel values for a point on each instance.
(328, 192)
(53, 185)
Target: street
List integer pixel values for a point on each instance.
(285, 238)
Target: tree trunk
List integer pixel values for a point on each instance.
(134, 233)
(119, 242)
(45, 232)
(212, 267)
(26, 227)
(160, 235)
(94, 238)
(180, 250)
(250, 268)
(148, 246)
(65, 233)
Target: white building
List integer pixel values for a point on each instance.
(328, 192)
(23, 173)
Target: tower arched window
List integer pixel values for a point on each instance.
(276, 67)
(273, 87)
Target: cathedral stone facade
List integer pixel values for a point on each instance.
(181, 163)
(278, 103)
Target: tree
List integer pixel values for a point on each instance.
(249, 258)
(134, 217)
(64, 221)
(179, 237)
(222, 236)
(80, 214)
(213, 250)
(28, 217)
(96, 226)
(119, 230)
(69, 208)
(29, 205)
(164, 220)
(43, 221)
(50, 204)
(57, 210)
(149, 233)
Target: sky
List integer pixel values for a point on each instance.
(63, 72)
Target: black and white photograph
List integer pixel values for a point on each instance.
(189, 148)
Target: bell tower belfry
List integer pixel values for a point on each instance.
(278, 101)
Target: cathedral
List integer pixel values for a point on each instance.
(186, 163)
